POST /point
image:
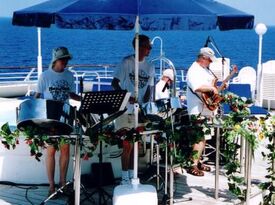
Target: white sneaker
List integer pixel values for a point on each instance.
(125, 182)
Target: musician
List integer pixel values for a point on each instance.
(200, 80)
(162, 87)
(57, 83)
(124, 78)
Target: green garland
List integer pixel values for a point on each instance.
(9, 138)
(38, 141)
(269, 155)
(239, 123)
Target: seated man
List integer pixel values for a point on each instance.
(162, 87)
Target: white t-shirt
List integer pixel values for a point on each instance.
(197, 76)
(125, 72)
(56, 86)
(158, 91)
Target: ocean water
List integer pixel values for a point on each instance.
(18, 45)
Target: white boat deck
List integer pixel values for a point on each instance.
(200, 189)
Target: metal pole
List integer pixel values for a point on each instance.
(158, 174)
(248, 175)
(260, 29)
(171, 198)
(39, 56)
(259, 70)
(217, 163)
(242, 144)
(135, 180)
(166, 167)
(246, 159)
(77, 172)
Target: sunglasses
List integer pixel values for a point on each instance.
(146, 46)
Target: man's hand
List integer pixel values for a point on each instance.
(225, 86)
(132, 100)
(215, 90)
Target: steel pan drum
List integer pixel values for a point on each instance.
(47, 117)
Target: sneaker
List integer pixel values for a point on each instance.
(125, 182)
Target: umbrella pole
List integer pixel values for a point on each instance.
(39, 56)
(135, 180)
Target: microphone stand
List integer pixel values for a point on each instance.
(81, 88)
(214, 45)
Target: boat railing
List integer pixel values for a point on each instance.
(11, 75)
(96, 77)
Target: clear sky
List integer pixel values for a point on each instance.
(262, 9)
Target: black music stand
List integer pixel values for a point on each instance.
(104, 102)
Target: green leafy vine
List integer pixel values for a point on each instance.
(9, 138)
(239, 124)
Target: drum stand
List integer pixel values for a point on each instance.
(170, 198)
(156, 174)
(77, 172)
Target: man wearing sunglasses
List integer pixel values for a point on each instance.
(124, 78)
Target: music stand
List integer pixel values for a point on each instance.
(104, 102)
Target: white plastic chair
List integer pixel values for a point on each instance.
(218, 69)
(268, 84)
(247, 75)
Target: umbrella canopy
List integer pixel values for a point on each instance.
(121, 15)
(40, 15)
(129, 14)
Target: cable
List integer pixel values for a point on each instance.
(26, 193)
(21, 186)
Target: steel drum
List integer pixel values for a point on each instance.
(47, 117)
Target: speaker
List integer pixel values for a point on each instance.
(104, 172)
(87, 180)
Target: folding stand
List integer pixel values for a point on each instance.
(174, 104)
(74, 199)
(156, 174)
(110, 102)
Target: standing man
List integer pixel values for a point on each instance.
(124, 79)
(57, 83)
(200, 80)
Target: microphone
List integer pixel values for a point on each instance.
(81, 85)
(165, 87)
(207, 41)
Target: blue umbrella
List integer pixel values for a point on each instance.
(130, 14)
(121, 14)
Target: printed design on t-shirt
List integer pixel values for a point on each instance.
(143, 78)
(60, 90)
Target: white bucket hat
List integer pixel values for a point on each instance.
(208, 52)
(169, 73)
(59, 53)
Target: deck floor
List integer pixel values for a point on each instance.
(200, 189)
